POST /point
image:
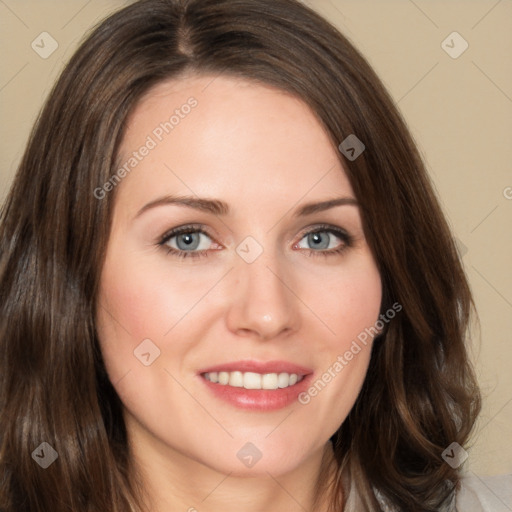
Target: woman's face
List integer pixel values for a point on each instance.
(237, 250)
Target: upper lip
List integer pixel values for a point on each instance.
(258, 367)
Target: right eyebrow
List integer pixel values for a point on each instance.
(214, 206)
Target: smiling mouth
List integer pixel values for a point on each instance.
(252, 380)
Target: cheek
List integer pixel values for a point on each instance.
(143, 308)
(350, 308)
(144, 300)
(349, 301)
(141, 299)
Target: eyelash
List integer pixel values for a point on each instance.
(199, 228)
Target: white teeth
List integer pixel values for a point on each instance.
(269, 381)
(251, 380)
(236, 379)
(284, 380)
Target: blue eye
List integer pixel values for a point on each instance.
(191, 241)
(187, 241)
(320, 240)
(325, 241)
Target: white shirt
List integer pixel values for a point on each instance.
(478, 494)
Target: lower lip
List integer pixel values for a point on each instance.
(258, 399)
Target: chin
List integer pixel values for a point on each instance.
(247, 456)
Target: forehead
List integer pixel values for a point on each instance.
(229, 137)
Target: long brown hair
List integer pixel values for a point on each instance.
(420, 393)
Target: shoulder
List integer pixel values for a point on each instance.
(485, 494)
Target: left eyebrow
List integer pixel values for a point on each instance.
(311, 208)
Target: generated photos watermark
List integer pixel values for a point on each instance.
(152, 140)
(342, 361)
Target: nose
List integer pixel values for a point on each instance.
(263, 303)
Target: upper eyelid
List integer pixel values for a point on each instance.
(323, 227)
(192, 228)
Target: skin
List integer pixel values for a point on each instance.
(264, 153)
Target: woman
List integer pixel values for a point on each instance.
(226, 280)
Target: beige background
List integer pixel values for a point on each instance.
(459, 110)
